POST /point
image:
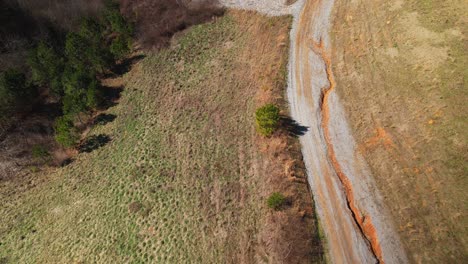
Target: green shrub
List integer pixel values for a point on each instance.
(92, 94)
(39, 152)
(120, 46)
(267, 118)
(276, 201)
(76, 49)
(115, 20)
(91, 30)
(65, 133)
(77, 82)
(97, 55)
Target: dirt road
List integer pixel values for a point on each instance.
(352, 214)
(350, 209)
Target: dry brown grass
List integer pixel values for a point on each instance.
(401, 73)
(184, 178)
(282, 237)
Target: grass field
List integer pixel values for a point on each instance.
(185, 177)
(401, 70)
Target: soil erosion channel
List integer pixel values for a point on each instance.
(351, 212)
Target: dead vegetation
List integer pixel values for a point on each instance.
(282, 236)
(159, 20)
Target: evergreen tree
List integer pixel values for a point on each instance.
(120, 46)
(65, 133)
(76, 80)
(76, 49)
(267, 118)
(46, 67)
(92, 94)
(97, 54)
(116, 22)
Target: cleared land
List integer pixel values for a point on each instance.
(184, 177)
(401, 71)
(351, 211)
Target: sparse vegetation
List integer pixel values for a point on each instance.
(276, 200)
(267, 118)
(39, 152)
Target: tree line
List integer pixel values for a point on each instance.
(69, 69)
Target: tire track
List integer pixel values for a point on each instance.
(350, 210)
(364, 223)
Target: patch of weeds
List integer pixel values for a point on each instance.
(39, 152)
(134, 207)
(276, 201)
(34, 169)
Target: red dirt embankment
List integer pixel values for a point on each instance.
(364, 222)
(350, 209)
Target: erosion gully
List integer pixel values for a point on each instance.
(350, 209)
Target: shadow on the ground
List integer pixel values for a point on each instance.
(66, 162)
(110, 96)
(293, 128)
(124, 66)
(103, 119)
(94, 142)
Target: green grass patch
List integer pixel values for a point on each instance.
(166, 188)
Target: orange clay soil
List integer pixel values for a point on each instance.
(364, 222)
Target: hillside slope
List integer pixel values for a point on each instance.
(185, 176)
(401, 71)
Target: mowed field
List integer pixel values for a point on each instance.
(185, 177)
(401, 70)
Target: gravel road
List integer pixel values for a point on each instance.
(351, 212)
(350, 209)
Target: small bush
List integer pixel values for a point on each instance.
(65, 133)
(39, 152)
(115, 20)
(120, 46)
(267, 118)
(276, 200)
(91, 30)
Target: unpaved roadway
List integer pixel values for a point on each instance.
(350, 210)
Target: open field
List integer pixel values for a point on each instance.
(401, 71)
(185, 177)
